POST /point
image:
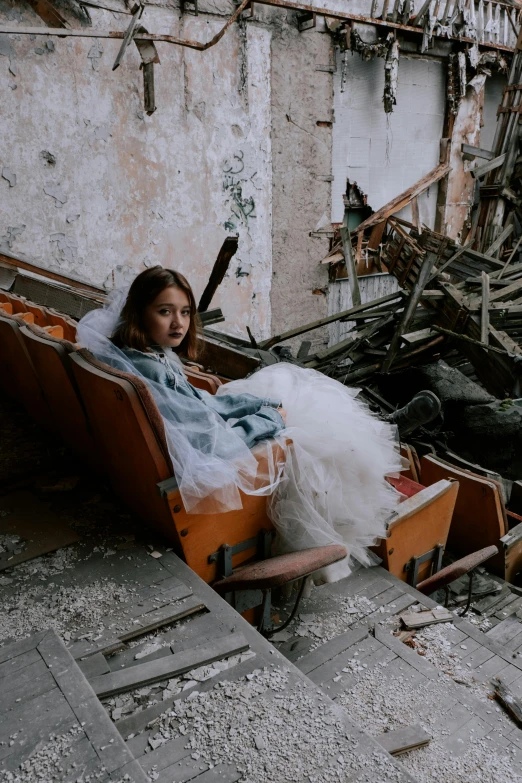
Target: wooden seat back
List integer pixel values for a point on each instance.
(58, 319)
(420, 524)
(128, 429)
(17, 373)
(50, 359)
(479, 519)
(21, 305)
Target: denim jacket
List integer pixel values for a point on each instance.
(253, 419)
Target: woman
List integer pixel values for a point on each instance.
(329, 487)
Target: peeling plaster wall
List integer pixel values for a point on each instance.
(385, 154)
(92, 186)
(460, 183)
(302, 165)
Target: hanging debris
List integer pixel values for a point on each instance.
(391, 77)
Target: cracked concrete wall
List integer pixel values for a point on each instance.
(302, 98)
(92, 186)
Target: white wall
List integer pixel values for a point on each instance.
(385, 154)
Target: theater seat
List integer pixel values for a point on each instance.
(50, 359)
(17, 373)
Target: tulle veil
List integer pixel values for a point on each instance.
(324, 474)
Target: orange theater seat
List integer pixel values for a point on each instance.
(17, 373)
(50, 357)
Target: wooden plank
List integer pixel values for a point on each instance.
(26, 689)
(499, 241)
(409, 309)
(107, 643)
(140, 720)
(402, 200)
(9, 667)
(477, 152)
(344, 315)
(504, 293)
(505, 631)
(219, 270)
(486, 641)
(402, 740)
(333, 667)
(406, 653)
(345, 681)
(170, 753)
(349, 261)
(164, 616)
(484, 310)
(491, 165)
(94, 666)
(15, 649)
(326, 652)
(171, 666)
(182, 771)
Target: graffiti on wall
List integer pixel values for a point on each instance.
(242, 208)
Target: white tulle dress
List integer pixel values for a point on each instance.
(333, 488)
(328, 487)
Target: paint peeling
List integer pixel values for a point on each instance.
(9, 175)
(7, 241)
(95, 54)
(56, 192)
(6, 50)
(67, 248)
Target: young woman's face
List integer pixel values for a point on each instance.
(167, 318)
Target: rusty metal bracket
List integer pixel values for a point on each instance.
(149, 57)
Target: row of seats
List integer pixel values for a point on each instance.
(110, 420)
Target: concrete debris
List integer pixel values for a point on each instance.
(66, 609)
(323, 627)
(269, 735)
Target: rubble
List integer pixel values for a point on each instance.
(269, 735)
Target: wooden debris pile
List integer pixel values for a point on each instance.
(461, 301)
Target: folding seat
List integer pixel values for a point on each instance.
(50, 358)
(417, 532)
(17, 374)
(480, 519)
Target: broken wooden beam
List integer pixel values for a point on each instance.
(484, 310)
(409, 309)
(507, 698)
(402, 200)
(169, 666)
(219, 270)
(329, 319)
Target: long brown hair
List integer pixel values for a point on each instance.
(145, 288)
